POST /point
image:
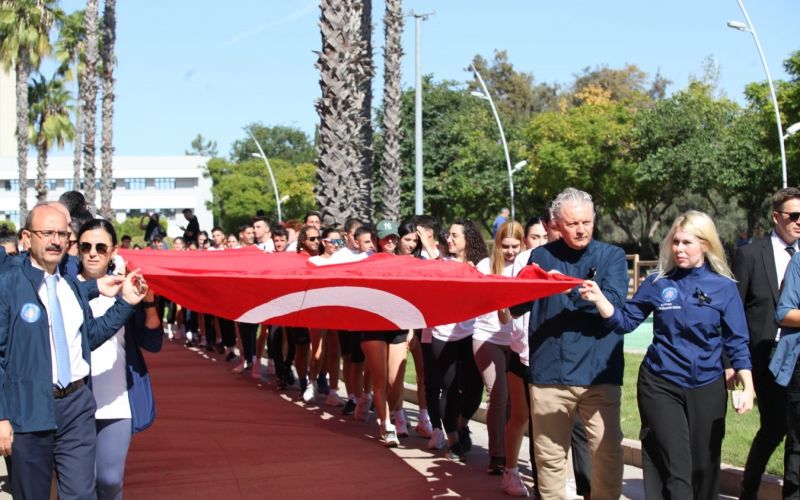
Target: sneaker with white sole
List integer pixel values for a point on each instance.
(310, 393)
(401, 424)
(362, 407)
(437, 440)
(513, 485)
(333, 399)
(389, 438)
(424, 428)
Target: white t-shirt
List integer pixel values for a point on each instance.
(487, 326)
(342, 256)
(450, 332)
(109, 380)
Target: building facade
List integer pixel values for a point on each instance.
(142, 184)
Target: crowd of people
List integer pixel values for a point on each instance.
(552, 367)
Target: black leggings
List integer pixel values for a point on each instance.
(433, 385)
(248, 332)
(462, 385)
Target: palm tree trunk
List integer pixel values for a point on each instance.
(90, 106)
(78, 141)
(23, 71)
(392, 91)
(107, 149)
(41, 172)
(364, 146)
(337, 187)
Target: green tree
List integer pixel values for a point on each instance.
(287, 143)
(202, 147)
(50, 124)
(24, 40)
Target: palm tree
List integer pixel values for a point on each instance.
(70, 48)
(364, 73)
(337, 184)
(392, 133)
(24, 41)
(107, 148)
(340, 188)
(49, 123)
(88, 101)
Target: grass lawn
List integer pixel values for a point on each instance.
(739, 429)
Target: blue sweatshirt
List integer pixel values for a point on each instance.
(696, 313)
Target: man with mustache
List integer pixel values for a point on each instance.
(46, 336)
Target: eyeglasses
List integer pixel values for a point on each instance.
(101, 248)
(47, 234)
(313, 238)
(337, 243)
(793, 216)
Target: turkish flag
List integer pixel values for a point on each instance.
(381, 292)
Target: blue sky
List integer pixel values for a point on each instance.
(188, 67)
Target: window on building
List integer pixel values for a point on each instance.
(13, 216)
(165, 183)
(135, 184)
(12, 185)
(68, 184)
(50, 184)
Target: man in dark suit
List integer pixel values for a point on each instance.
(759, 268)
(46, 336)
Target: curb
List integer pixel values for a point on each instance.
(730, 476)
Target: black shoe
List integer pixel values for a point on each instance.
(456, 452)
(231, 357)
(247, 367)
(209, 347)
(463, 438)
(496, 466)
(349, 407)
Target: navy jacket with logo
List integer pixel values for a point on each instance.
(696, 313)
(26, 380)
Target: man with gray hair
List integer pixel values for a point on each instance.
(576, 363)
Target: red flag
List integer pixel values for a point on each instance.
(382, 292)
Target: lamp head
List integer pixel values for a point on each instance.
(738, 25)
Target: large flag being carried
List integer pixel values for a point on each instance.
(382, 292)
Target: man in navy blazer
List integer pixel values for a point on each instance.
(759, 268)
(43, 419)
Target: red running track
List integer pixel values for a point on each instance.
(224, 436)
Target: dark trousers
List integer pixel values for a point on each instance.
(462, 385)
(227, 331)
(771, 399)
(71, 448)
(433, 386)
(248, 332)
(682, 431)
(283, 362)
(211, 329)
(791, 462)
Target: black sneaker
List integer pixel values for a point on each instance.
(496, 466)
(349, 407)
(463, 438)
(456, 452)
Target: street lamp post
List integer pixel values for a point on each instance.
(738, 25)
(418, 18)
(263, 156)
(485, 95)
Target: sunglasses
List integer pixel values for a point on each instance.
(313, 238)
(101, 248)
(793, 216)
(336, 243)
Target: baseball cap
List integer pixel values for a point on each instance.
(387, 228)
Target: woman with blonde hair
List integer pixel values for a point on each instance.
(491, 341)
(681, 388)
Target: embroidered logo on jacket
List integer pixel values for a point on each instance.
(30, 313)
(668, 296)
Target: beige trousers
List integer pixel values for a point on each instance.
(554, 409)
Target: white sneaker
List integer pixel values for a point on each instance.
(513, 485)
(362, 407)
(401, 424)
(424, 428)
(333, 399)
(310, 394)
(389, 438)
(437, 440)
